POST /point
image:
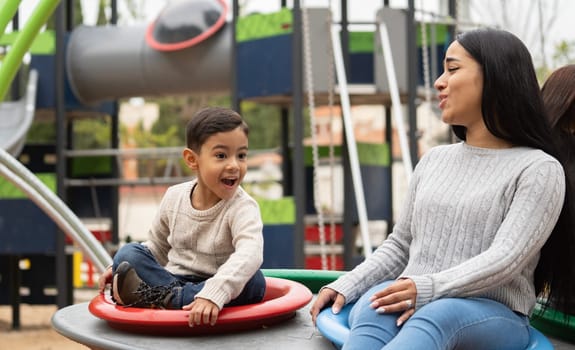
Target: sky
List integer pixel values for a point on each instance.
(519, 16)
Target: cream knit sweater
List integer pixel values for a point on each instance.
(223, 244)
(473, 223)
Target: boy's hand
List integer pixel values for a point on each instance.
(105, 278)
(202, 311)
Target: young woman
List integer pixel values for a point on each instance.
(485, 224)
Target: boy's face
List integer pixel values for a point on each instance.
(220, 165)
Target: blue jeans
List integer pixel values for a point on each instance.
(184, 287)
(449, 323)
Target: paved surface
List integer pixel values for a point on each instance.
(77, 323)
(561, 345)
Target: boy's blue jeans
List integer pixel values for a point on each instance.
(449, 323)
(184, 288)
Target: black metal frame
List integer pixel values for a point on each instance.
(294, 182)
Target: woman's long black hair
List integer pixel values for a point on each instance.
(513, 110)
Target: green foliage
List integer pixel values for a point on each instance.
(87, 133)
(102, 20)
(92, 133)
(564, 53)
(264, 122)
(42, 131)
(265, 125)
(169, 137)
(175, 111)
(77, 13)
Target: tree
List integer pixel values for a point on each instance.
(564, 53)
(529, 20)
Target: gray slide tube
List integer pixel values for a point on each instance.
(52, 205)
(107, 63)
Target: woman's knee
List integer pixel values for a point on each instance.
(362, 307)
(472, 323)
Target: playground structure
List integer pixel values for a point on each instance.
(91, 84)
(107, 63)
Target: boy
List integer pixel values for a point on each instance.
(205, 246)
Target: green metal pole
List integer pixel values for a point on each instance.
(8, 9)
(13, 59)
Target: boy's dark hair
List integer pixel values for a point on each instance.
(210, 121)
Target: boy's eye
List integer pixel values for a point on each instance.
(452, 69)
(220, 155)
(243, 156)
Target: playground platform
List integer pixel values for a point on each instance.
(78, 324)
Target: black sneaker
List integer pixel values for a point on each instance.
(129, 290)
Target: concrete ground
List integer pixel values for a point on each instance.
(36, 331)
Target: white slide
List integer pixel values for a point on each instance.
(16, 118)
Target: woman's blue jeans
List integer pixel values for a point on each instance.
(184, 288)
(449, 323)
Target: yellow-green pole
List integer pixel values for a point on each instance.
(8, 9)
(13, 59)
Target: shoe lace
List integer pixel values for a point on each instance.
(154, 296)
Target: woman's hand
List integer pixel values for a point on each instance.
(105, 278)
(399, 296)
(202, 311)
(326, 296)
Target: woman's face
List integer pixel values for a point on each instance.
(460, 88)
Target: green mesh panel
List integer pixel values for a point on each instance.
(323, 152)
(86, 166)
(441, 33)
(368, 153)
(258, 26)
(361, 42)
(277, 211)
(43, 44)
(9, 191)
(373, 154)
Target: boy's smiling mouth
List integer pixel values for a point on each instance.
(229, 181)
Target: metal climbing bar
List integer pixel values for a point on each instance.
(351, 143)
(395, 100)
(315, 152)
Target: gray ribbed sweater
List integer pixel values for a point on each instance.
(473, 223)
(223, 243)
